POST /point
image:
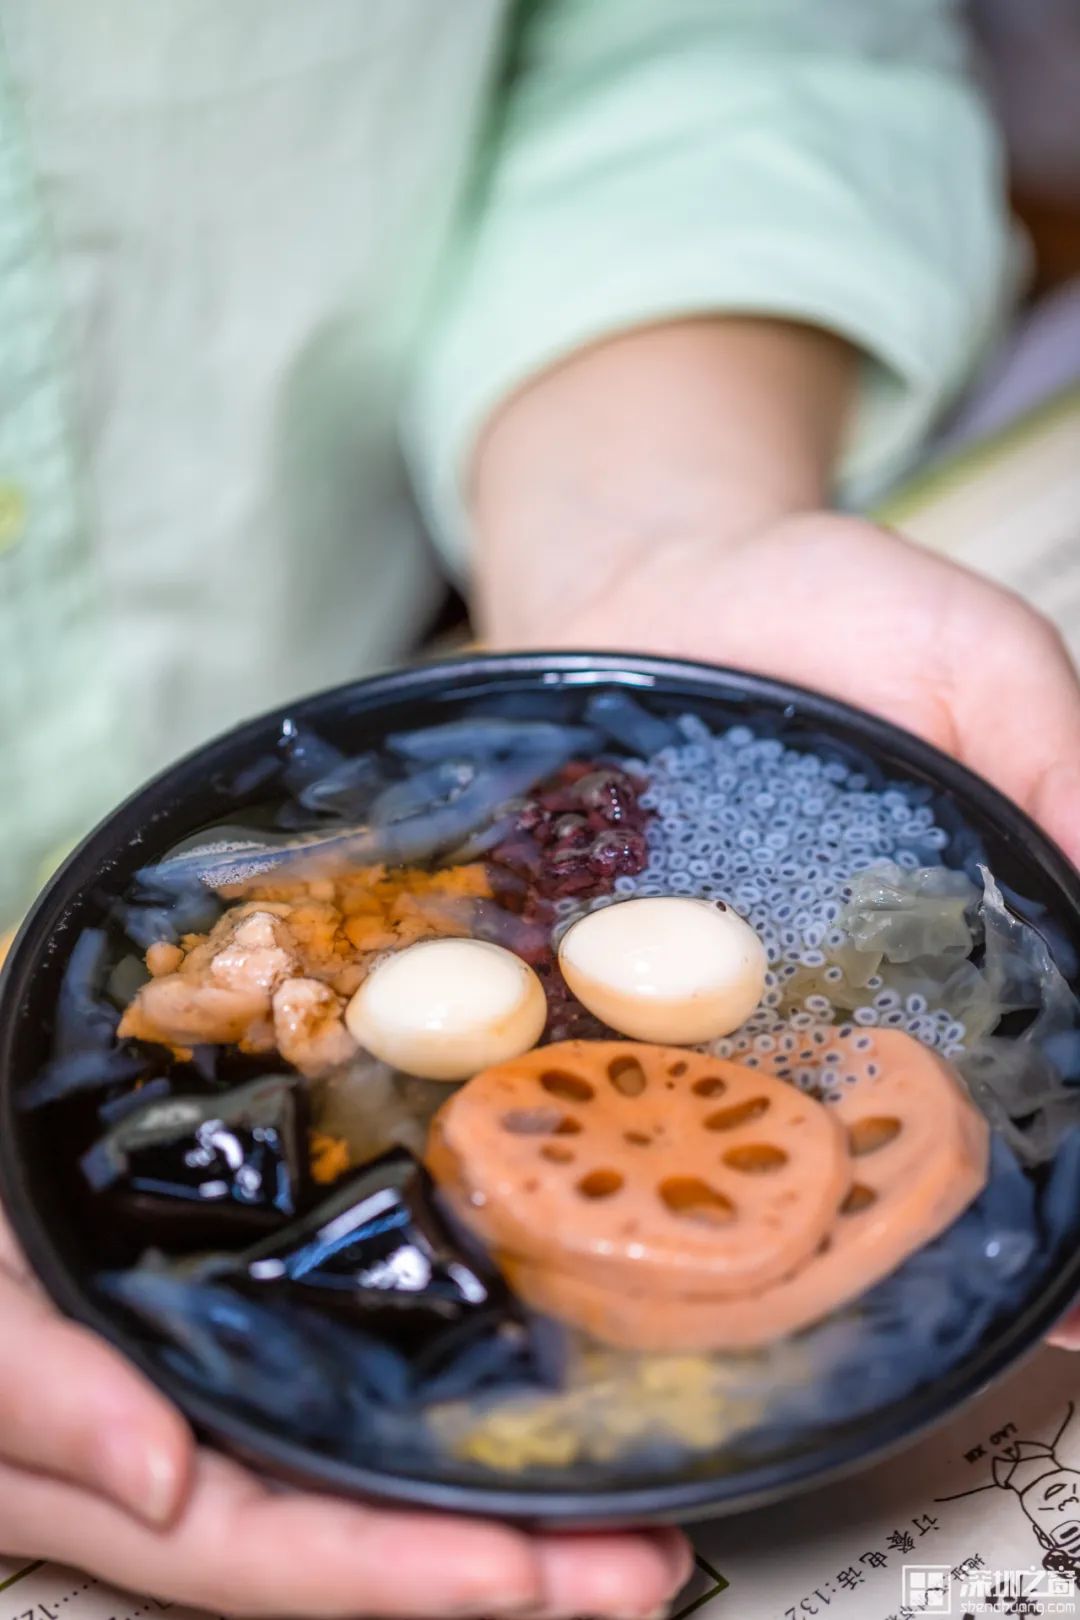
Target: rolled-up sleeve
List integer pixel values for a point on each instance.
(829, 161)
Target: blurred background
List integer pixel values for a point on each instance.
(1031, 52)
(1001, 491)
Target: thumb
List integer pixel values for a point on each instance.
(1026, 742)
(1055, 804)
(1067, 1333)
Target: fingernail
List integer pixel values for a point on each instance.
(625, 1614)
(630, 1614)
(513, 1606)
(142, 1478)
(492, 1609)
(163, 1486)
(638, 1614)
(683, 1565)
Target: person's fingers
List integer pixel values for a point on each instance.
(1019, 721)
(11, 1259)
(240, 1549)
(1067, 1333)
(71, 1406)
(1055, 805)
(106, 1428)
(601, 1574)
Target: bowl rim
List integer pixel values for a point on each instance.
(711, 1495)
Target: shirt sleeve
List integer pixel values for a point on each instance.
(823, 160)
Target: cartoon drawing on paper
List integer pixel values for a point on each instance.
(1048, 1491)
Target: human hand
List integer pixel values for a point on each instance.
(847, 608)
(663, 491)
(98, 1471)
(844, 607)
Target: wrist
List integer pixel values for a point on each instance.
(608, 582)
(710, 429)
(656, 596)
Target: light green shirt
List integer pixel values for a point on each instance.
(259, 257)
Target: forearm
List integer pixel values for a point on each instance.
(696, 432)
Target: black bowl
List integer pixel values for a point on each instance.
(216, 781)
